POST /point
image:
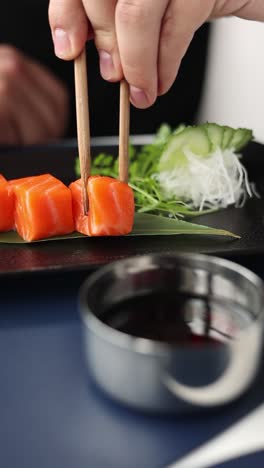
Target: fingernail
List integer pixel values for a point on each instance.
(106, 65)
(62, 43)
(138, 97)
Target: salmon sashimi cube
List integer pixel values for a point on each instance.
(81, 220)
(43, 207)
(111, 207)
(6, 206)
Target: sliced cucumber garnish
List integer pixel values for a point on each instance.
(201, 140)
(179, 129)
(240, 138)
(194, 139)
(227, 137)
(215, 134)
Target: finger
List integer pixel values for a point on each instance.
(180, 22)
(251, 10)
(138, 25)
(29, 125)
(9, 130)
(50, 97)
(43, 94)
(8, 133)
(69, 27)
(15, 107)
(101, 14)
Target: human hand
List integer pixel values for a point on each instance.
(144, 40)
(33, 103)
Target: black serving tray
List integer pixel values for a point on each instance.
(89, 253)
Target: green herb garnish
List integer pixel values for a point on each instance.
(183, 173)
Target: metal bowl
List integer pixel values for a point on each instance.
(222, 307)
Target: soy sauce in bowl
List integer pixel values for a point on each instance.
(173, 318)
(173, 332)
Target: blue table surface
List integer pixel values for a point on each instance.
(51, 413)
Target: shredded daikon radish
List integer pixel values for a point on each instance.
(215, 181)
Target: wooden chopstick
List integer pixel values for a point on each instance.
(83, 125)
(124, 125)
(83, 122)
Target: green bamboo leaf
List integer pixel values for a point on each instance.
(145, 225)
(153, 225)
(12, 237)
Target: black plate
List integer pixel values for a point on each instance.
(88, 254)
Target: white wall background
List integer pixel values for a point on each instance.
(234, 87)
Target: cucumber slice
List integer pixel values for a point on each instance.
(227, 137)
(240, 138)
(201, 140)
(179, 129)
(199, 143)
(162, 135)
(193, 138)
(215, 134)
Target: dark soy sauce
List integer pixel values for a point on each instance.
(165, 317)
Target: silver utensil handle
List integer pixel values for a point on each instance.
(244, 437)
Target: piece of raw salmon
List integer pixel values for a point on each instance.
(43, 207)
(81, 221)
(6, 206)
(111, 207)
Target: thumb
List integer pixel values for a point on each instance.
(69, 27)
